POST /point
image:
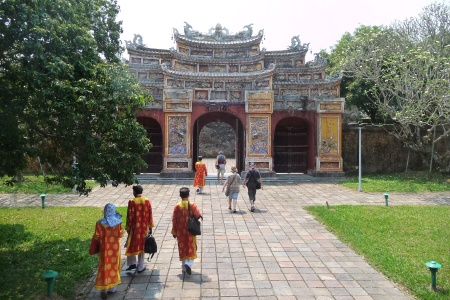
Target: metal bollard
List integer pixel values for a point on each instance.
(386, 198)
(50, 276)
(434, 267)
(43, 200)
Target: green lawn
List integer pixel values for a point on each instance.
(397, 241)
(411, 182)
(34, 240)
(35, 185)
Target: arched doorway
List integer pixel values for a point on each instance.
(229, 119)
(154, 158)
(291, 146)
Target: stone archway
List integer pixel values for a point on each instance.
(291, 146)
(229, 119)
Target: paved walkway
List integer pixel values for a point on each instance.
(277, 252)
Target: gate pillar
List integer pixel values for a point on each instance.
(177, 107)
(259, 109)
(329, 141)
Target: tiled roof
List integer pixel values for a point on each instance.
(226, 42)
(217, 60)
(327, 81)
(170, 71)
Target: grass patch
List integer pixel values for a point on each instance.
(35, 185)
(411, 182)
(398, 241)
(34, 240)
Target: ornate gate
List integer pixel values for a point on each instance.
(290, 149)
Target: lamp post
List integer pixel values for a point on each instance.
(434, 267)
(359, 160)
(360, 126)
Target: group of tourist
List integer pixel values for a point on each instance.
(251, 181)
(139, 224)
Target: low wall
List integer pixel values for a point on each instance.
(380, 152)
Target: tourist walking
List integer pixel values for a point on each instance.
(252, 179)
(139, 224)
(108, 232)
(187, 243)
(234, 182)
(221, 162)
(200, 173)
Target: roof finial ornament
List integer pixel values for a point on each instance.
(296, 44)
(246, 33)
(189, 32)
(137, 42)
(219, 32)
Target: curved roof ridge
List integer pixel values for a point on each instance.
(170, 71)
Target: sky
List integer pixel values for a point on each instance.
(321, 23)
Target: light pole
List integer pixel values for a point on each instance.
(359, 160)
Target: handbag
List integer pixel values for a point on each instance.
(150, 246)
(217, 167)
(193, 225)
(258, 183)
(94, 248)
(227, 191)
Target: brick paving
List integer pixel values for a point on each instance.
(277, 252)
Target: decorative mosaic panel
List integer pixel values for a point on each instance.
(314, 92)
(298, 63)
(218, 95)
(305, 76)
(251, 68)
(198, 84)
(201, 95)
(218, 85)
(329, 135)
(177, 165)
(148, 61)
(183, 50)
(239, 85)
(234, 69)
(292, 77)
(258, 101)
(176, 106)
(219, 53)
(142, 75)
(236, 96)
(203, 68)
(177, 134)
(202, 53)
(218, 69)
(279, 77)
(175, 83)
(156, 76)
(254, 51)
(136, 60)
(235, 54)
(329, 164)
(185, 67)
(262, 84)
(258, 135)
(330, 106)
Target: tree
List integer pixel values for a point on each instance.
(357, 92)
(408, 63)
(65, 95)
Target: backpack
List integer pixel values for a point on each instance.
(221, 159)
(150, 246)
